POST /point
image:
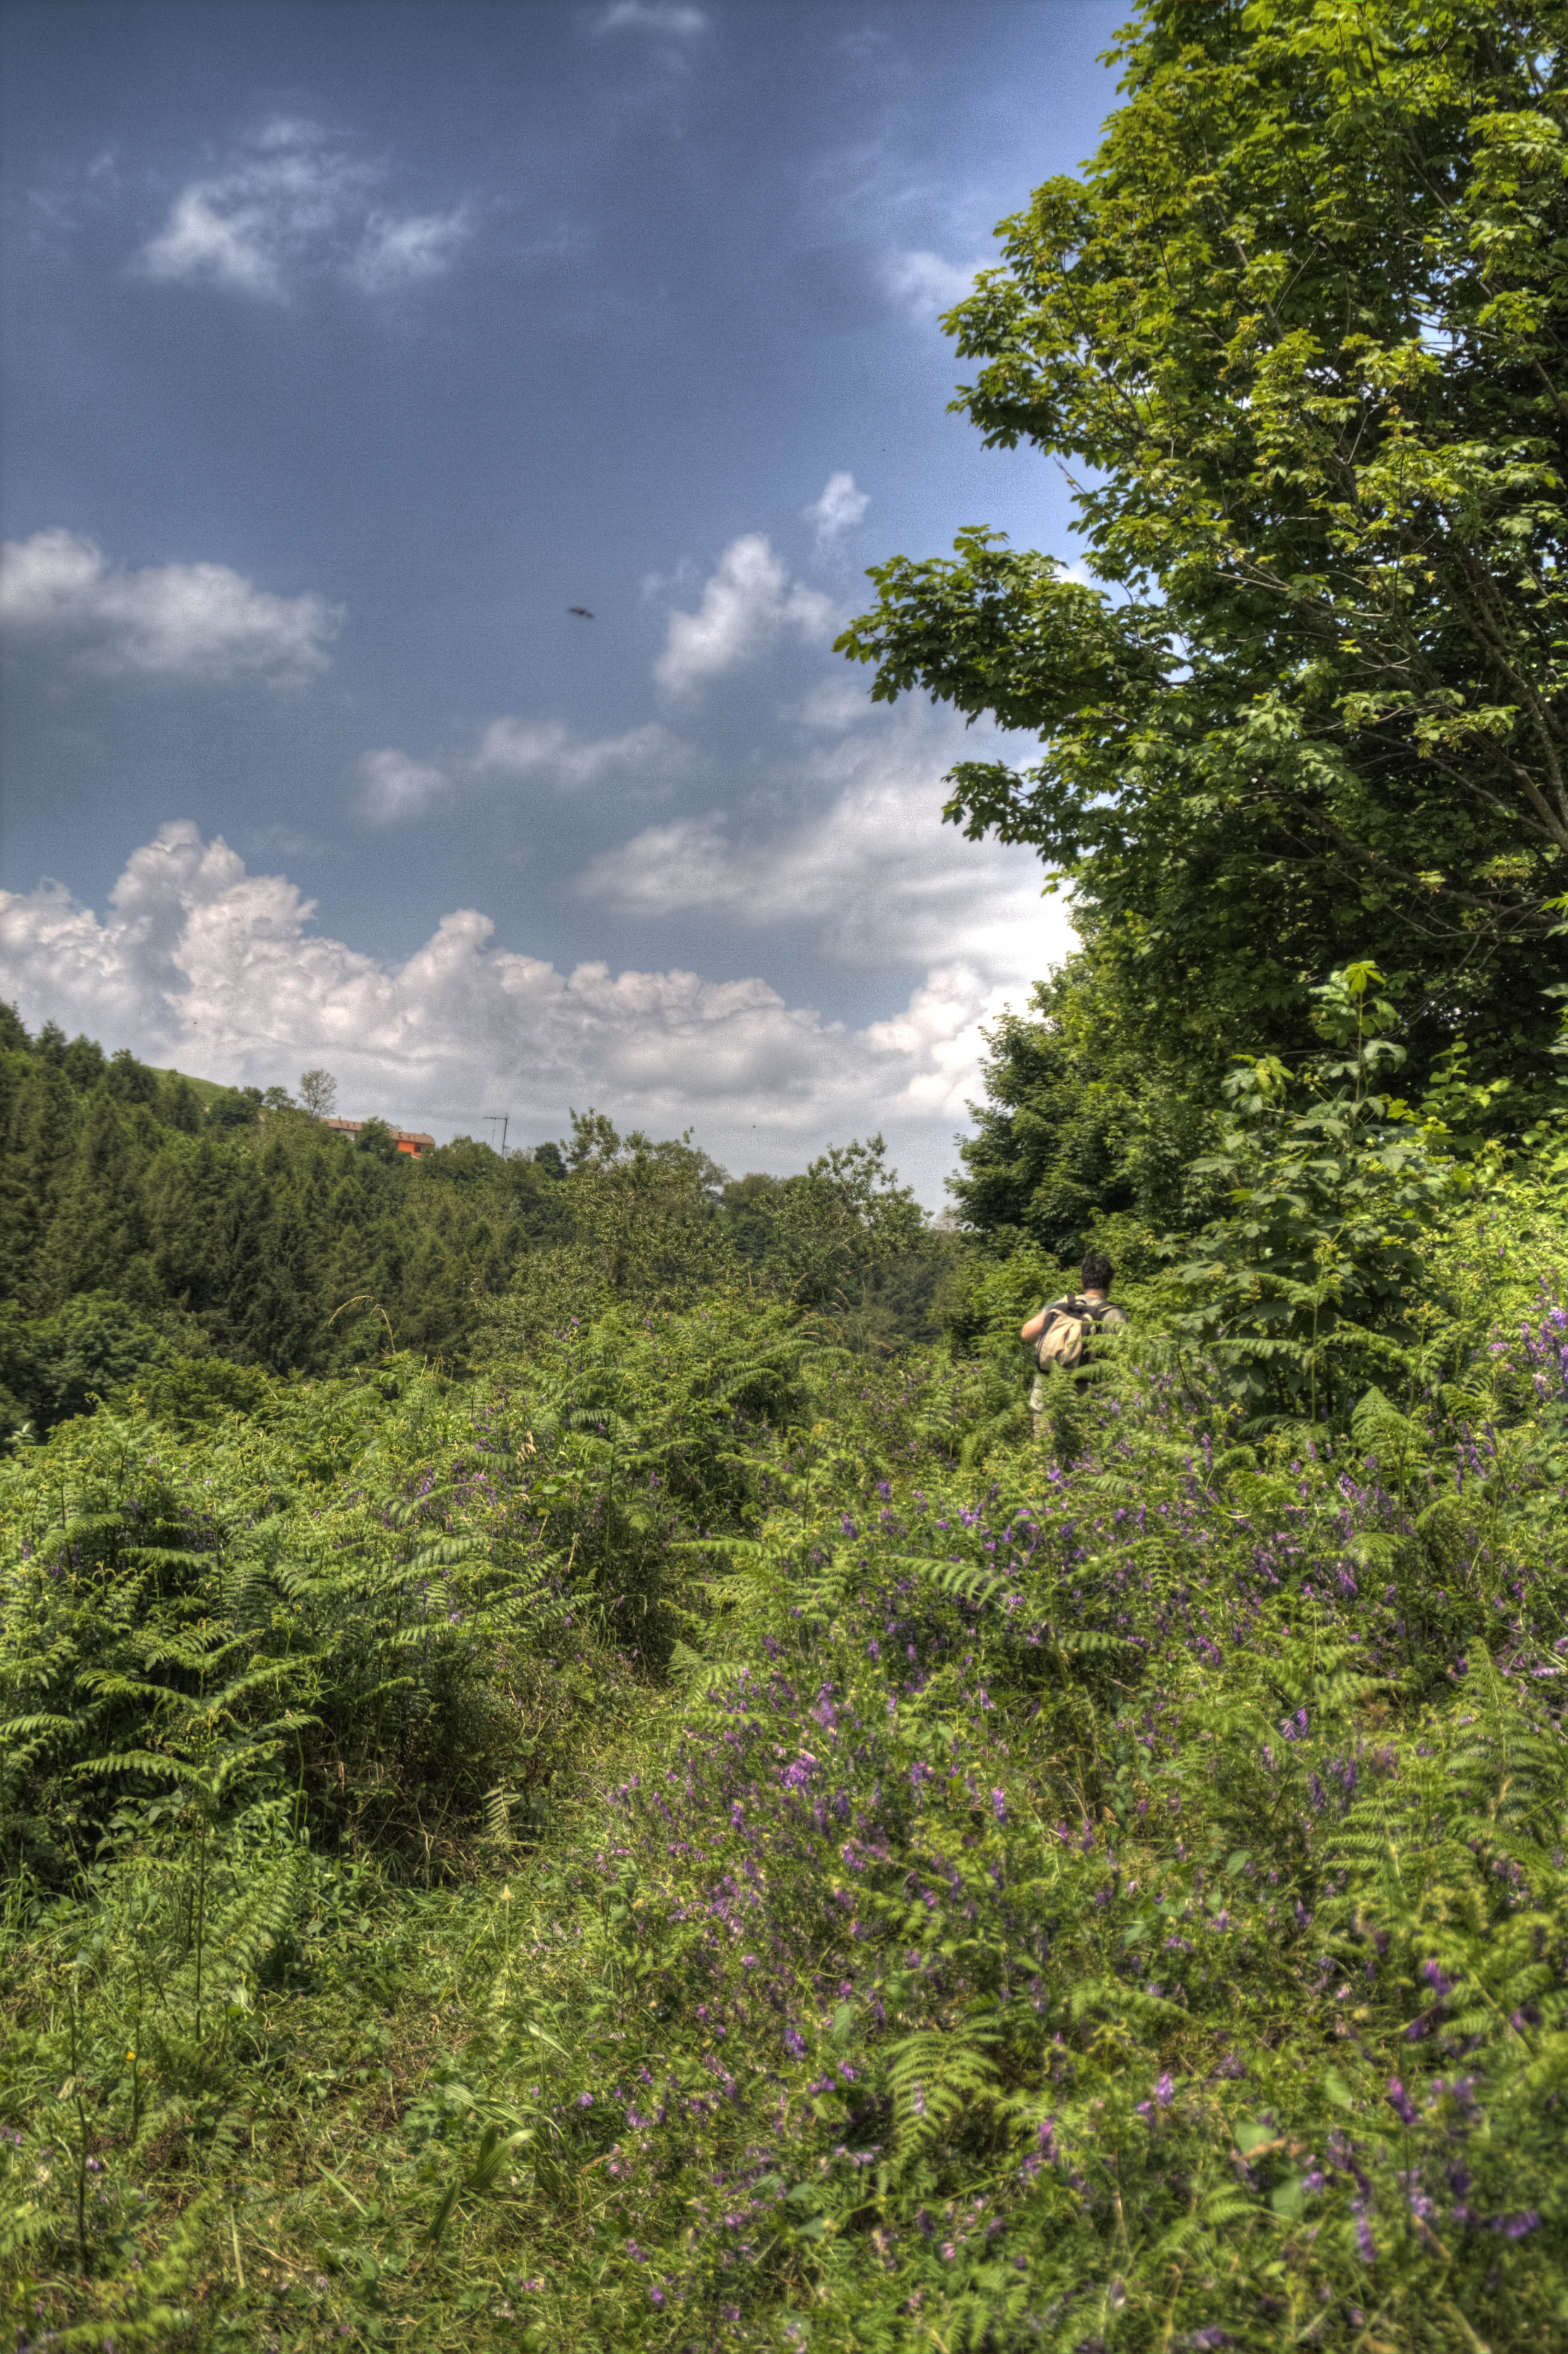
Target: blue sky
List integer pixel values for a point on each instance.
(348, 345)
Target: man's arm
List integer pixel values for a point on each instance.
(1036, 1324)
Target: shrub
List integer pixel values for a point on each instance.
(1100, 1901)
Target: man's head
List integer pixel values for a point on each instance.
(1096, 1272)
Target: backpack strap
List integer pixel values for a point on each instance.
(1056, 1313)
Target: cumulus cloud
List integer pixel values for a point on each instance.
(290, 202)
(191, 621)
(200, 963)
(747, 604)
(546, 749)
(393, 785)
(874, 879)
(667, 20)
(925, 285)
(838, 510)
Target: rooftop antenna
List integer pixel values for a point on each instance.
(503, 1117)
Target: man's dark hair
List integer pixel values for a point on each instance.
(1095, 1273)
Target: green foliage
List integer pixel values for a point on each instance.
(1081, 1123)
(1304, 1289)
(271, 1241)
(846, 1216)
(658, 1226)
(1111, 1892)
(1294, 333)
(186, 1392)
(661, 1814)
(52, 1367)
(634, 1220)
(308, 1609)
(641, 1428)
(222, 1223)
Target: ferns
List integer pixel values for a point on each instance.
(1107, 1899)
(936, 2076)
(147, 1616)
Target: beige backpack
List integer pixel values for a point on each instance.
(1062, 1344)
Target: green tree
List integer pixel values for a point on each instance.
(83, 1062)
(234, 1107)
(178, 1104)
(52, 1367)
(1298, 335)
(645, 1223)
(318, 1093)
(22, 1089)
(749, 1205)
(377, 1140)
(188, 1210)
(836, 1227)
(128, 1081)
(40, 1138)
(95, 1225)
(1303, 1287)
(1081, 1122)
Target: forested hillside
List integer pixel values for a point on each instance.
(580, 1768)
(150, 1229)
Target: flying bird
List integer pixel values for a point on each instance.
(581, 612)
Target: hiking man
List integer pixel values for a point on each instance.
(1061, 1330)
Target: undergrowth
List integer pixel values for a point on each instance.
(694, 1841)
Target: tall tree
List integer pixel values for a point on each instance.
(318, 1093)
(187, 1197)
(95, 1223)
(1300, 334)
(1079, 1123)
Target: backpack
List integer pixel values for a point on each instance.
(1064, 1342)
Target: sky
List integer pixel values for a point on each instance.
(349, 345)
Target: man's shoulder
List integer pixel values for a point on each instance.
(1114, 1316)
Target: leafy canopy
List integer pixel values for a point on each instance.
(1305, 1285)
(1297, 332)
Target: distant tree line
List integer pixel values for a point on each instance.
(161, 1229)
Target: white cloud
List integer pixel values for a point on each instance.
(393, 785)
(667, 20)
(546, 749)
(290, 202)
(838, 510)
(747, 604)
(876, 880)
(191, 621)
(925, 285)
(395, 252)
(835, 705)
(232, 248)
(201, 964)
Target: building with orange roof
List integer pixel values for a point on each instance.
(412, 1141)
